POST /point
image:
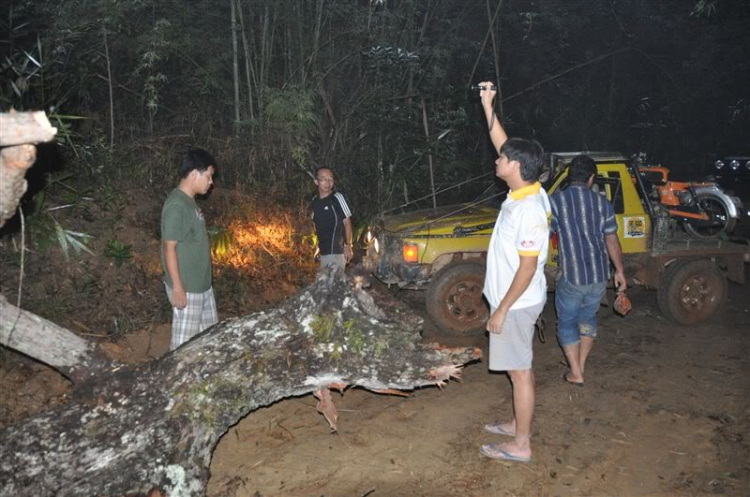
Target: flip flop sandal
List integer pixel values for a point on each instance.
(574, 383)
(493, 452)
(497, 429)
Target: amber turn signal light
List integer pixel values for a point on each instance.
(410, 252)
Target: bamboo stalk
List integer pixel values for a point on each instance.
(248, 62)
(235, 68)
(429, 154)
(111, 95)
(496, 54)
(484, 43)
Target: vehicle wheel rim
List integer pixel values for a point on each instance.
(717, 213)
(699, 294)
(464, 303)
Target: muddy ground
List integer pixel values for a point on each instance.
(665, 409)
(664, 412)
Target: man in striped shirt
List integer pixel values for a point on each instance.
(587, 238)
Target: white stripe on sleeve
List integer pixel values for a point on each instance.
(343, 204)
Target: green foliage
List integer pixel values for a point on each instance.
(200, 401)
(151, 67)
(310, 239)
(704, 8)
(65, 133)
(119, 252)
(355, 339)
(43, 226)
(289, 118)
(72, 239)
(290, 109)
(343, 84)
(323, 326)
(222, 241)
(340, 337)
(111, 199)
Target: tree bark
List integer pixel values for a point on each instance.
(17, 128)
(17, 132)
(135, 429)
(71, 355)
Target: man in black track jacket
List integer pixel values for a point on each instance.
(333, 222)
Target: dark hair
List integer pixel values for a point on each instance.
(318, 169)
(196, 159)
(529, 153)
(581, 168)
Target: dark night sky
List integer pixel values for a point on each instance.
(668, 77)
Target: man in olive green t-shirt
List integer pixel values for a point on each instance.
(186, 250)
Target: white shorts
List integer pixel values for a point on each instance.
(511, 350)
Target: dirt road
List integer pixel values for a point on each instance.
(665, 411)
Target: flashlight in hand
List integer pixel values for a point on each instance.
(480, 88)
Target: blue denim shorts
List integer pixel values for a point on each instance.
(576, 307)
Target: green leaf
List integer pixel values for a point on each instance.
(62, 239)
(78, 246)
(85, 236)
(32, 59)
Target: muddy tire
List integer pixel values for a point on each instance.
(454, 299)
(692, 291)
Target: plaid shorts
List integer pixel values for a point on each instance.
(199, 314)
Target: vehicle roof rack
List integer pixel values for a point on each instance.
(558, 160)
(566, 157)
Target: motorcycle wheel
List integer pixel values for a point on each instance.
(718, 213)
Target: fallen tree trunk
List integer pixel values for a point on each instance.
(34, 336)
(134, 430)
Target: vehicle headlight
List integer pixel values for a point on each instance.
(747, 164)
(734, 164)
(719, 164)
(372, 240)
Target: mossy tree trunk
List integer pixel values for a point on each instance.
(130, 430)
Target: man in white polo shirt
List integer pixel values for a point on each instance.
(514, 282)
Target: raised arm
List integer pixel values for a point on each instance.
(497, 132)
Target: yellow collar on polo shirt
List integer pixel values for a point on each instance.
(524, 192)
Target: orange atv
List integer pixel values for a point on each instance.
(703, 208)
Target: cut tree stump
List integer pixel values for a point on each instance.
(131, 430)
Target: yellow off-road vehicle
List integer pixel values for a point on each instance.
(443, 251)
